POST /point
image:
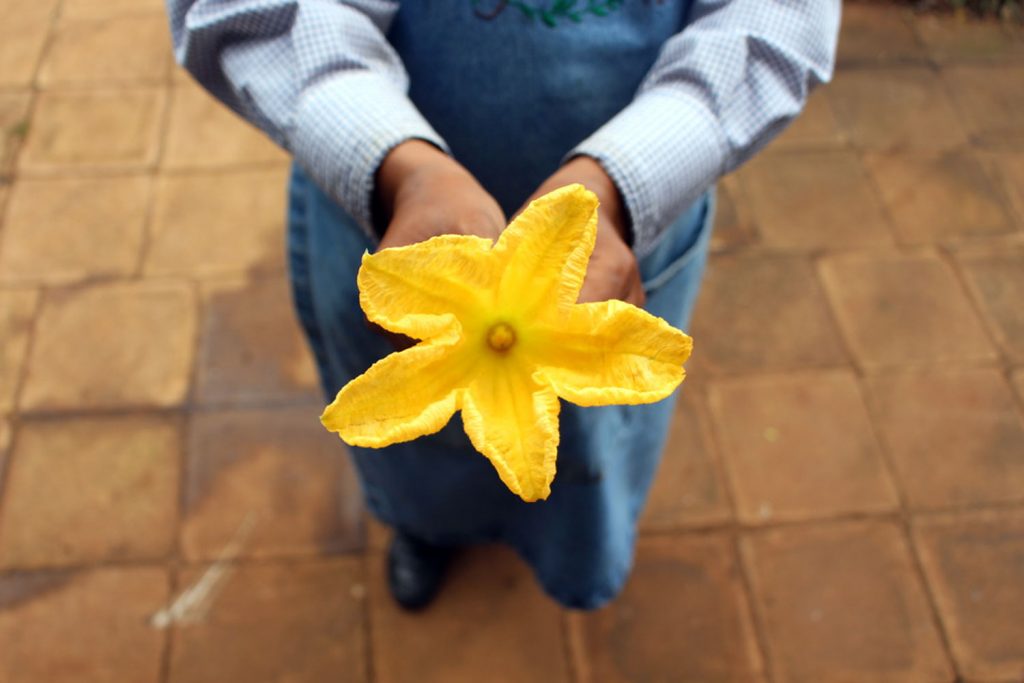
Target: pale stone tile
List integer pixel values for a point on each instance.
(77, 627)
(938, 197)
(102, 9)
(897, 309)
(95, 129)
(110, 487)
(123, 49)
(121, 344)
(212, 224)
(60, 231)
(23, 32)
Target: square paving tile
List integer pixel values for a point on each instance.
(85, 490)
(997, 281)
(759, 312)
(17, 311)
(215, 224)
(490, 623)
(89, 627)
(115, 345)
(955, 437)
(734, 226)
(841, 602)
(990, 103)
(799, 447)
(954, 39)
(281, 468)
(974, 566)
(271, 623)
(121, 49)
(97, 223)
(203, 133)
(682, 617)
(872, 34)
(815, 128)
(13, 127)
(896, 108)
(252, 349)
(23, 34)
(687, 490)
(934, 197)
(904, 309)
(93, 129)
(814, 200)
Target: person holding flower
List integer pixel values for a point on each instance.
(413, 120)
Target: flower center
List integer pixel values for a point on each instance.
(501, 337)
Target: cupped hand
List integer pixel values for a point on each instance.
(613, 271)
(421, 192)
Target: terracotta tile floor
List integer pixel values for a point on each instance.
(843, 492)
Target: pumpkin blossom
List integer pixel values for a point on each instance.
(502, 338)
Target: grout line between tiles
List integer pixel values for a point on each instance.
(169, 634)
(905, 524)
(573, 649)
(153, 172)
(753, 606)
(974, 301)
(717, 446)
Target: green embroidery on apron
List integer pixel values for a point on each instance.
(549, 12)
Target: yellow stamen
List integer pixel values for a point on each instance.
(501, 337)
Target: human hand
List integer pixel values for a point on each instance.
(421, 192)
(613, 272)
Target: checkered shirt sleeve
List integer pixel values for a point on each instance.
(720, 90)
(319, 77)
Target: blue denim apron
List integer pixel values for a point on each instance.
(511, 94)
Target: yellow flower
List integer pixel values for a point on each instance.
(502, 339)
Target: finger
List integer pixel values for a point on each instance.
(589, 292)
(598, 285)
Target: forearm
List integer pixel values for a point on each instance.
(317, 76)
(719, 91)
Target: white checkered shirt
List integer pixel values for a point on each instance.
(319, 77)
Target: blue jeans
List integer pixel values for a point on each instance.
(579, 541)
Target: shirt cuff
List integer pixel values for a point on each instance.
(663, 151)
(345, 126)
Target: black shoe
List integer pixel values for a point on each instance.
(416, 570)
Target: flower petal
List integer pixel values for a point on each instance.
(612, 352)
(514, 422)
(409, 289)
(402, 396)
(547, 247)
